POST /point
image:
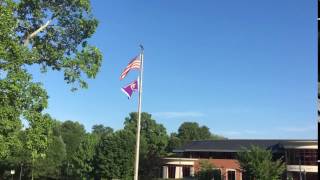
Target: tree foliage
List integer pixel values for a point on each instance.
(189, 131)
(100, 130)
(115, 152)
(47, 34)
(153, 143)
(50, 35)
(192, 131)
(207, 171)
(257, 163)
(73, 133)
(19, 98)
(73, 153)
(82, 159)
(54, 34)
(115, 155)
(50, 166)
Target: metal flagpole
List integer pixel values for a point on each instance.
(136, 166)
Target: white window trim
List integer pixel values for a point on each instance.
(216, 168)
(235, 173)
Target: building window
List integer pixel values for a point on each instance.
(302, 156)
(216, 174)
(186, 171)
(231, 175)
(172, 171)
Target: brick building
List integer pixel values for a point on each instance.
(300, 158)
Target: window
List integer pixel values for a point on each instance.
(231, 175)
(186, 171)
(172, 171)
(216, 173)
(302, 156)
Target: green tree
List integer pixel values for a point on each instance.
(207, 171)
(54, 34)
(114, 156)
(38, 136)
(153, 143)
(18, 157)
(50, 166)
(174, 142)
(115, 152)
(19, 98)
(257, 163)
(73, 133)
(83, 157)
(192, 131)
(189, 131)
(101, 130)
(46, 34)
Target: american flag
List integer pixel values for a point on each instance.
(135, 63)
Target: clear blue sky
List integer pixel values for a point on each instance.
(245, 69)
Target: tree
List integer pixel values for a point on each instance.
(82, 160)
(189, 131)
(73, 133)
(153, 143)
(174, 142)
(19, 98)
(100, 130)
(50, 166)
(257, 163)
(54, 34)
(46, 34)
(115, 156)
(18, 157)
(192, 131)
(37, 136)
(115, 153)
(207, 171)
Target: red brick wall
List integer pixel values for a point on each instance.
(223, 165)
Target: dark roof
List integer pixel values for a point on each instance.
(234, 145)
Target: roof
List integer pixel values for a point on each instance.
(234, 145)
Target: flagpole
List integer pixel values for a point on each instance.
(136, 166)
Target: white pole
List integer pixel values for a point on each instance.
(300, 175)
(136, 166)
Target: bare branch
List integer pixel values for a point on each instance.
(26, 41)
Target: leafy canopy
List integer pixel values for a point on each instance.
(257, 163)
(114, 158)
(207, 171)
(189, 131)
(47, 34)
(153, 143)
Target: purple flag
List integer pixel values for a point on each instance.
(130, 88)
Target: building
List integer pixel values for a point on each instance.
(300, 158)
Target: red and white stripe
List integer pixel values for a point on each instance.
(134, 64)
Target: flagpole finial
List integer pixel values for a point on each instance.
(141, 47)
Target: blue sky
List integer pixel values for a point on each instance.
(245, 69)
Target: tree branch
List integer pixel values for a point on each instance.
(26, 41)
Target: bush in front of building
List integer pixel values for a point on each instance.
(207, 171)
(257, 163)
